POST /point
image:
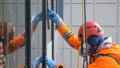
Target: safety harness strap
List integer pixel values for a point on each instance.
(100, 55)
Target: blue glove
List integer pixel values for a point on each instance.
(53, 15)
(37, 61)
(50, 62)
(37, 18)
(55, 18)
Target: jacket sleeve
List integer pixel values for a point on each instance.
(16, 43)
(72, 39)
(60, 66)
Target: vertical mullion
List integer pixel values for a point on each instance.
(52, 30)
(28, 33)
(44, 32)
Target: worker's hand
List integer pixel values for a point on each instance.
(50, 62)
(36, 18)
(53, 15)
(83, 50)
(55, 18)
(37, 61)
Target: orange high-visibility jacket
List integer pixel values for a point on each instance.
(105, 61)
(16, 43)
(101, 62)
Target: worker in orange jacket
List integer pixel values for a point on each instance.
(6, 38)
(103, 53)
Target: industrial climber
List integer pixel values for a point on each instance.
(102, 51)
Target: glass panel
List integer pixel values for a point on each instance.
(13, 12)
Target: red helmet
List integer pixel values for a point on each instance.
(92, 28)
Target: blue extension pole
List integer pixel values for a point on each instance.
(86, 33)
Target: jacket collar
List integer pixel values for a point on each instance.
(105, 44)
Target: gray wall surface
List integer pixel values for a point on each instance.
(104, 12)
